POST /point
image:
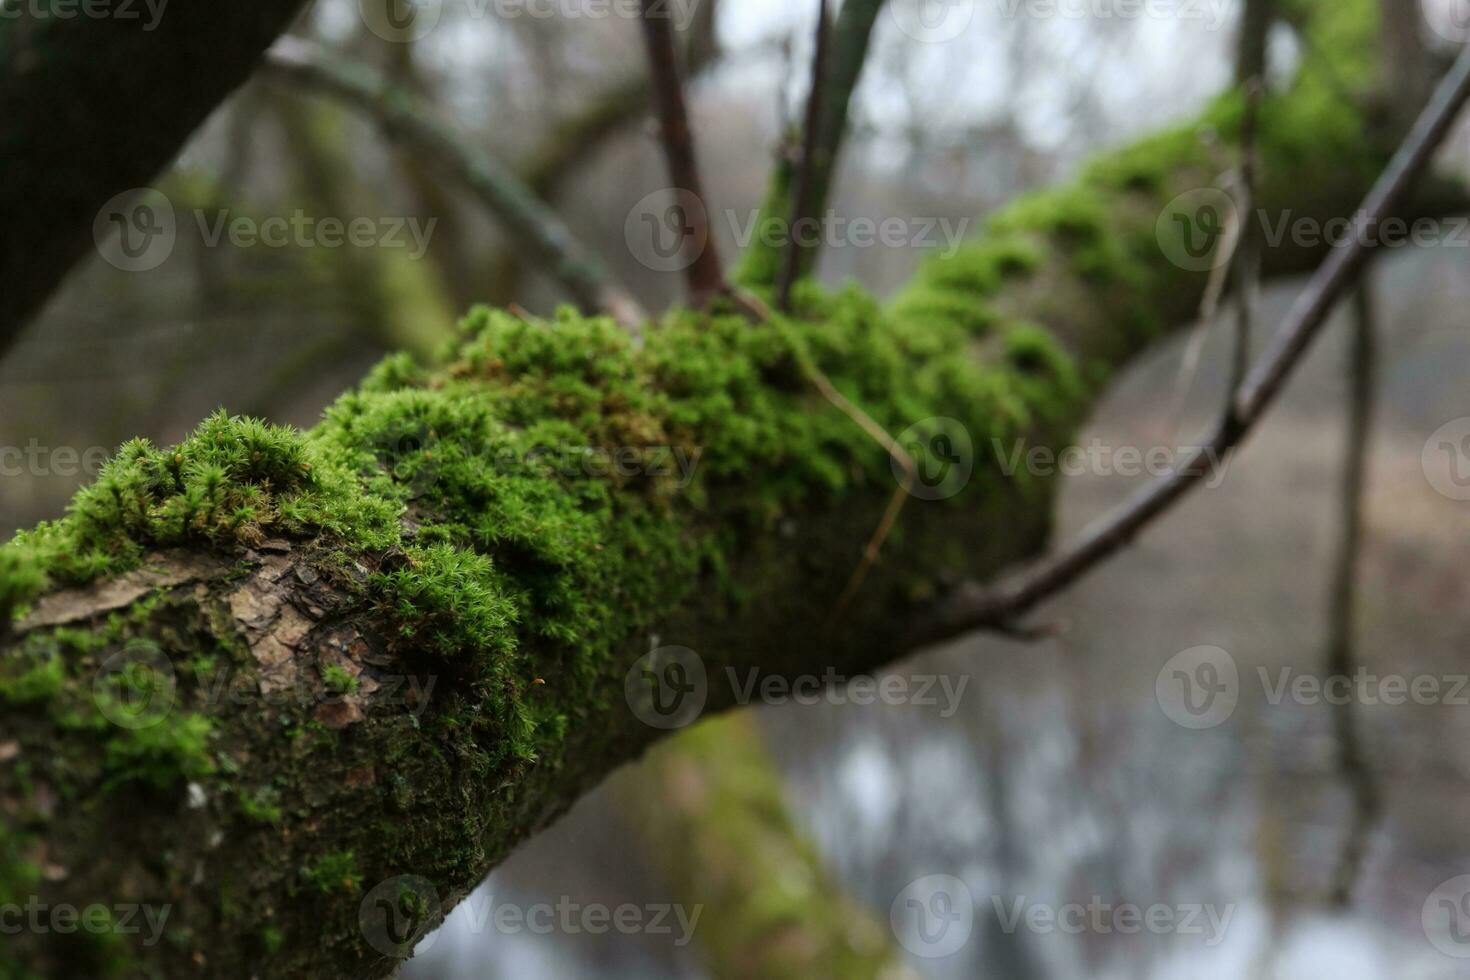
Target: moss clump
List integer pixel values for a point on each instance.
(271, 938)
(334, 872)
(162, 755)
(262, 806)
(36, 683)
(339, 681)
(233, 481)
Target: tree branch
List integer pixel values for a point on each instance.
(98, 106)
(849, 43)
(1352, 761)
(806, 174)
(975, 607)
(494, 185)
(705, 274)
(293, 582)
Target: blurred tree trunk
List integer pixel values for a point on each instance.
(710, 813)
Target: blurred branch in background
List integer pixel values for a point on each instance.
(493, 184)
(1256, 21)
(797, 195)
(571, 143)
(451, 246)
(1352, 759)
(713, 820)
(705, 274)
(1408, 66)
(802, 205)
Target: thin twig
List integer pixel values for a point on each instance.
(1248, 258)
(1352, 759)
(1209, 307)
(977, 607)
(851, 38)
(705, 274)
(896, 452)
(402, 116)
(1256, 20)
(806, 174)
(1238, 259)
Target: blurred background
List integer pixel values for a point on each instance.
(1059, 775)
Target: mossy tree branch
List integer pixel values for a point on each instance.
(207, 703)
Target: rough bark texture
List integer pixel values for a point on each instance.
(217, 698)
(95, 106)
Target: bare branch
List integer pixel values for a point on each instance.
(402, 116)
(847, 46)
(705, 274)
(1352, 762)
(1238, 257)
(801, 206)
(1255, 30)
(1248, 259)
(571, 142)
(976, 607)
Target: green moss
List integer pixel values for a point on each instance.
(471, 506)
(271, 938)
(233, 481)
(22, 577)
(339, 680)
(36, 683)
(333, 872)
(19, 875)
(760, 266)
(162, 755)
(261, 806)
